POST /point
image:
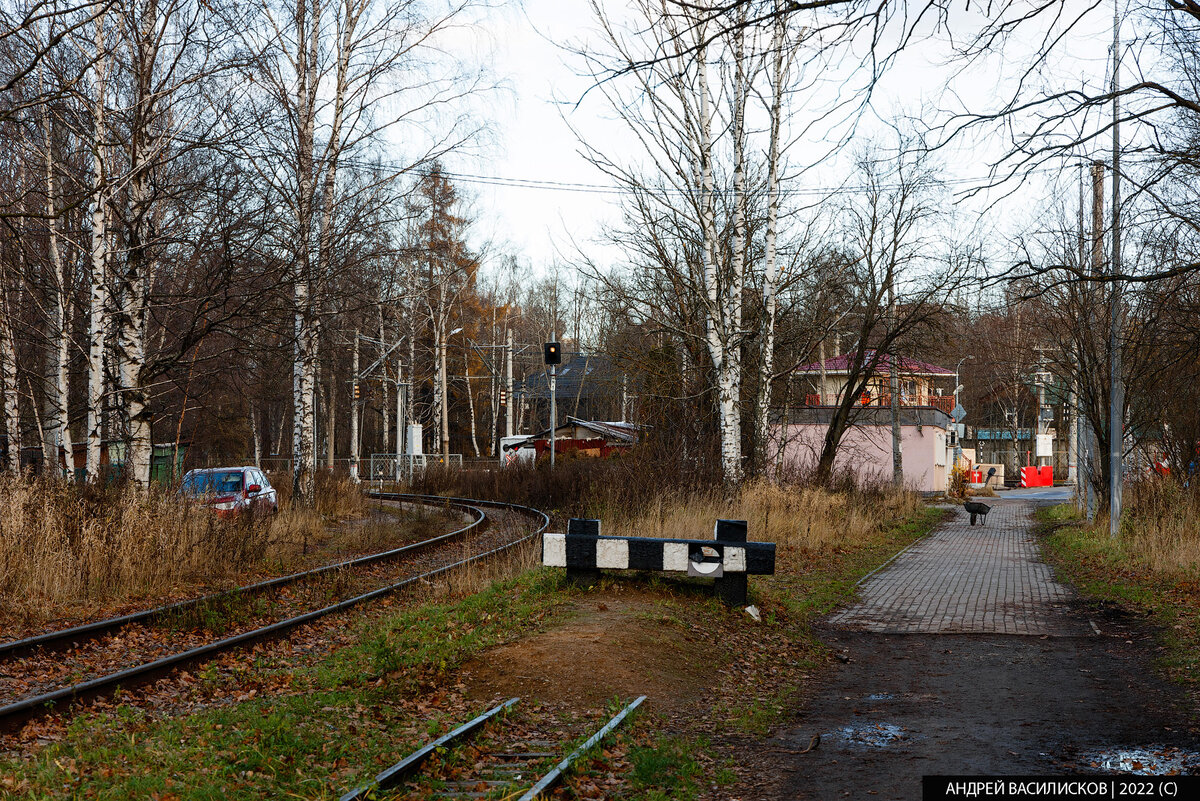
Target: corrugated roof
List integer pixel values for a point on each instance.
(585, 376)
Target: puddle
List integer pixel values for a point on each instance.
(876, 735)
(1148, 761)
(880, 697)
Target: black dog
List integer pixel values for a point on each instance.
(976, 508)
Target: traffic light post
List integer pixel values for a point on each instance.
(553, 358)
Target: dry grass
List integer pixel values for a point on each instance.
(1161, 526)
(66, 544)
(807, 518)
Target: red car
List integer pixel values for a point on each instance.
(231, 491)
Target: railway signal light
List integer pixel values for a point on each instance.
(553, 353)
(357, 390)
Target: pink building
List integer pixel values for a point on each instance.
(926, 445)
(866, 447)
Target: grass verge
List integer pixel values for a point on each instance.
(306, 733)
(1136, 579)
(266, 724)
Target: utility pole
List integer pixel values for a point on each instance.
(401, 423)
(508, 383)
(894, 371)
(445, 423)
(1080, 432)
(1042, 425)
(821, 391)
(1116, 392)
(354, 413)
(1097, 270)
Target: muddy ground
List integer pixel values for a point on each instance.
(901, 707)
(905, 706)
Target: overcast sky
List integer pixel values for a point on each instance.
(534, 192)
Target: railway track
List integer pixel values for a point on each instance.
(35, 684)
(74, 635)
(503, 768)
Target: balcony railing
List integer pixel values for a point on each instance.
(943, 402)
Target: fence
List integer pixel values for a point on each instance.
(400, 467)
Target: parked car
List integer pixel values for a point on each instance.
(231, 491)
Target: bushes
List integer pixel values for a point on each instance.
(641, 496)
(60, 541)
(1160, 525)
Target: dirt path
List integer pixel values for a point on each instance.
(965, 656)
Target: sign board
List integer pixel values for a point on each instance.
(1045, 445)
(959, 429)
(958, 413)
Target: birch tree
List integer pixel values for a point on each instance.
(98, 248)
(324, 67)
(667, 104)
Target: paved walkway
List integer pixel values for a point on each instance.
(962, 579)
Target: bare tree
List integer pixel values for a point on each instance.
(900, 272)
(324, 68)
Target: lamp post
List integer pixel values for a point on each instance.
(957, 388)
(445, 400)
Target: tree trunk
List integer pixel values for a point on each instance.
(98, 290)
(767, 359)
(57, 421)
(304, 378)
(470, 400)
(10, 409)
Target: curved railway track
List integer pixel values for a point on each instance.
(65, 638)
(46, 699)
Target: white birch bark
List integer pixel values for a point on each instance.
(724, 287)
(10, 409)
(304, 379)
(57, 422)
(770, 271)
(98, 288)
(470, 400)
(133, 282)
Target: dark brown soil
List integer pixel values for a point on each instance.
(615, 645)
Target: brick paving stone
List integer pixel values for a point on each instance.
(962, 579)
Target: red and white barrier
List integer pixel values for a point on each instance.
(1037, 476)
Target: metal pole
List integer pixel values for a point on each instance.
(1116, 399)
(824, 375)
(508, 382)
(1073, 437)
(401, 427)
(445, 413)
(354, 414)
(894, 380)
(553, 409)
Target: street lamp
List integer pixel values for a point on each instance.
(445, 401)
(958, 388)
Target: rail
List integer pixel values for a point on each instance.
(62, 638)
(16, 712)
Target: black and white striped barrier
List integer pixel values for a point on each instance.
(728, 557)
